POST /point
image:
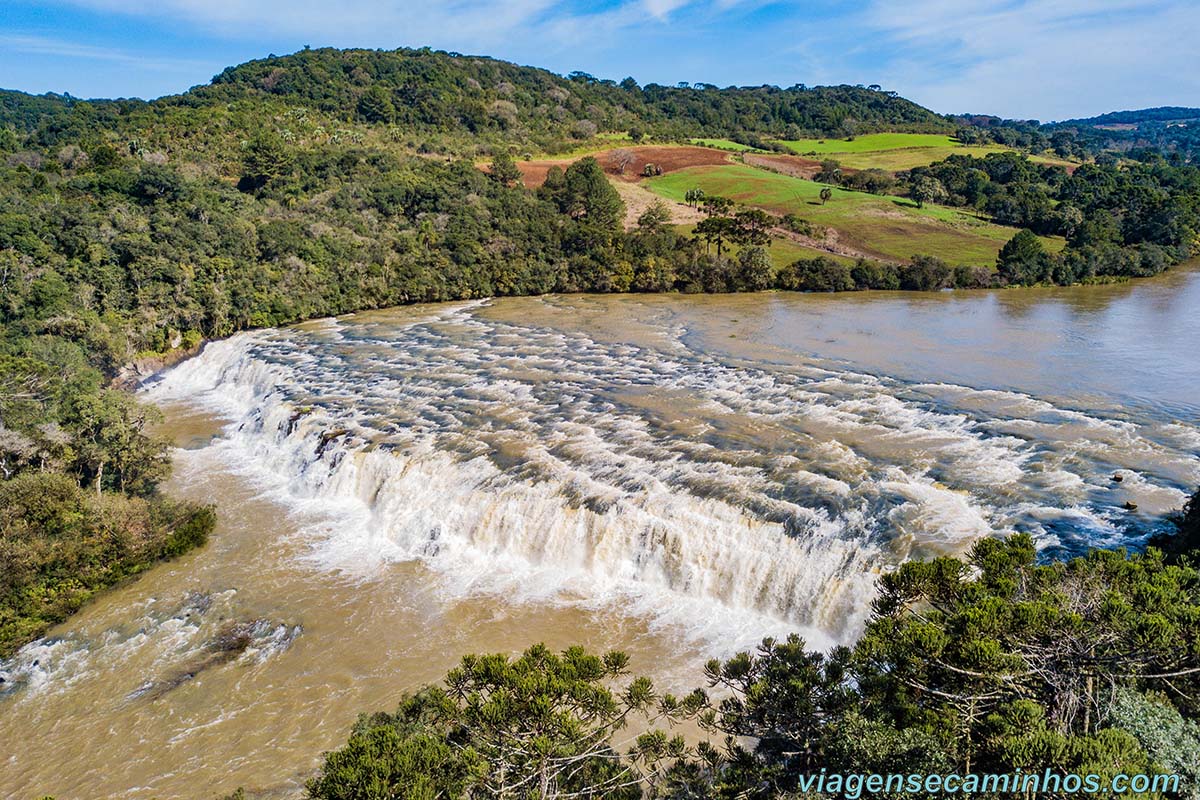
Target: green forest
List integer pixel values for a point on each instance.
(331, 181)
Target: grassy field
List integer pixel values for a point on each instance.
(783, 251)
(871, 143)
(725, 144)
(597, 144)
(881, 226)
(896, 152)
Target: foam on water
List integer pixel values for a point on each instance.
(725, 496)
(164, 634)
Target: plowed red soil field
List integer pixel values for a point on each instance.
(667, 157)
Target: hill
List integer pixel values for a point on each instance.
(1159, 114)
(454, 94)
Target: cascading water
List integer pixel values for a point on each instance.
(673, 476)
(512, 456)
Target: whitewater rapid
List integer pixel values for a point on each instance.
(675, 477)
(731, 496)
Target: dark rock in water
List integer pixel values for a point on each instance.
(234, 639)
(199, 442)
(328, 437)
(1118, 478)
(1130, 505)
(231, 641)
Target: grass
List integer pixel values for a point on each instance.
(597, 144)
(725, 144)
(783, 251)
(870, 143)
(896, 152)
(881, 226)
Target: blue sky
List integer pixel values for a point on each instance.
(1045, 59)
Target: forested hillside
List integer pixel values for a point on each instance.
(1172, 132)
(449, 93)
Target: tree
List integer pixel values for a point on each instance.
(536, 726)
(715, 205)
(622, 158)
(755, 271)
(831, 172)
(780, 698)
(654, 218)
(589, 195)
(115, 450)
(1022, 260)
(716, 230)
(926, 274)
(954, 643)
(752, 227)
(504, 170)
(818, 274)
(693, 197)
(266, 159)
(826, 193)
(927, 190)
(375, 105)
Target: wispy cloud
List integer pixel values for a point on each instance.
(46, 46)
(661, 9)
(1046, 58)
(367, 22)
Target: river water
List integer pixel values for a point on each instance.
(674, 476)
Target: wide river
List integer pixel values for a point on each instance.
(673, 476)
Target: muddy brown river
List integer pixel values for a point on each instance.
(674, 476)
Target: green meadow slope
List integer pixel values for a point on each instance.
(895, 152)
(880, 226)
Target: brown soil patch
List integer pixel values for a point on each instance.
(533, 173)
(668, 158)
(794, 166)
(638, 200)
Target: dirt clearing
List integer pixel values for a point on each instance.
(628, 163)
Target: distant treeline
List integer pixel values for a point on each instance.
(1168, 132)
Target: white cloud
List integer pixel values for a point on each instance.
(661, 9)
(453, 24)
(1041, 58)
(45, 46)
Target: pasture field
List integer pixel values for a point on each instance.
(878, 226)
(870, 143)
(783, 251)
(896, 152)
(725, 144)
